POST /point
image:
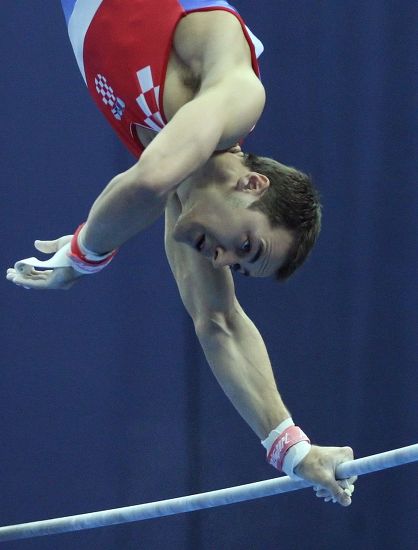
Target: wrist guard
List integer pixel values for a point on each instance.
(286, 446)
(85, 261)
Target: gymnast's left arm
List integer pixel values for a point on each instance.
(239, 360)
(137, 197)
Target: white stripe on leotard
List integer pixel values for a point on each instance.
(82, 16)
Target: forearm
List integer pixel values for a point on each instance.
(123, 209)
(239, 360)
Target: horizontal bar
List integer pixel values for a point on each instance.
(221, 497)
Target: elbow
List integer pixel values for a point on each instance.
(214, 324)
(151, 176)
(155, 187)
(218, 321)
(135, 185)
(141, 186)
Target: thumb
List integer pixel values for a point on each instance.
(47, 247)
(50, 247)
(339, 494)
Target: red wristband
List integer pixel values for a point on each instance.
(289, 437)
(81, 262)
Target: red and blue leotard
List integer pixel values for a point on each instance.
(122, 50)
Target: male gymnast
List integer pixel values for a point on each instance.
(178, 80)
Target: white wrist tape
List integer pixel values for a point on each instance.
(294, 456)
(274, 434)
(83, 260)
(88, 254)
(286, 447)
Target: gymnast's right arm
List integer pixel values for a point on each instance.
(239, 360)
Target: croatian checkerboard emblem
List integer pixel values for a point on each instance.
(108, 96)
(148, 100)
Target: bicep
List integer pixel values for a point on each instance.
(206, 292)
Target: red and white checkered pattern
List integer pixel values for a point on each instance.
(105, 90)
(103, 34)
(108, 96)
(148, 100)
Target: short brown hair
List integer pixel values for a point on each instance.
(291, 202)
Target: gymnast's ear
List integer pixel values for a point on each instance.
(253, 183)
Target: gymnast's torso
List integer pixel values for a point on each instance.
(143, 60)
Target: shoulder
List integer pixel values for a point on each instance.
(241, 98)
(213, 45)
(211, 42)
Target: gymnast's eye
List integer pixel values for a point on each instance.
(246, 246)
(199, 243)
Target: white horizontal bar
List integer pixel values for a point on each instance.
(200, 501)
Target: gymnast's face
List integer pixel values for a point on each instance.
(217, 223)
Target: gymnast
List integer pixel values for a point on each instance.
(183, 105)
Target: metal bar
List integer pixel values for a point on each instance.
(221, 497)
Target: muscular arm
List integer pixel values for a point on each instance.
(232, 344)
(238, 357)
(221, 113)
(228, 103)
(225, 109)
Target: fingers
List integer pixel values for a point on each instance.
(29, 279)
(342, 496)
(348, 487)
(37, 274)
(58, 278)
(350, 480)
(322, 492)
(13, 278)
(340, 492)
(319, 467)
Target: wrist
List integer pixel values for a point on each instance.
(274, 434)
(294, 457)
(286, 447)
(84, 260)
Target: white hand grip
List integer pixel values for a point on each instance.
(59, 259)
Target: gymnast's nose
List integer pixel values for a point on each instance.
(222, 258)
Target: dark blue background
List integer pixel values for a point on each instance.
(106, 400)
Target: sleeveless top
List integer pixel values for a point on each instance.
(122, 49)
